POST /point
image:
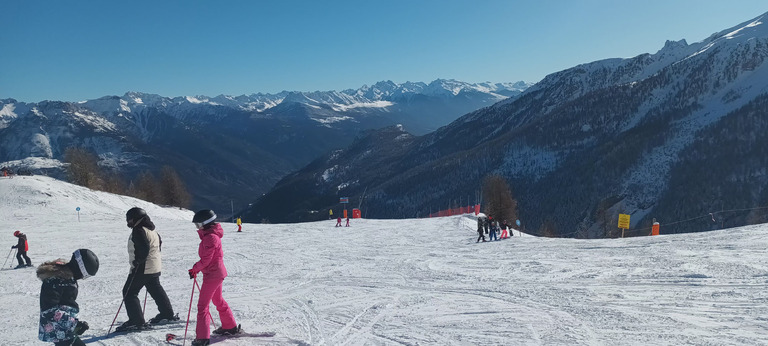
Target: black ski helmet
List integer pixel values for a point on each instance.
(203, 217)
(83, 264)
(133, 215)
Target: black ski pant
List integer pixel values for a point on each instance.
(481, 236)
(20, 254)
(71, 342)
(133, 285)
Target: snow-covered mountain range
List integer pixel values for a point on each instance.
(637, 136)
(385, 95)
(228, 147)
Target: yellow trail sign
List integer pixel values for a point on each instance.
(623, 221)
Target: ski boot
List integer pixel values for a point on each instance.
(230, 331)
(131, 326)
(160, 319)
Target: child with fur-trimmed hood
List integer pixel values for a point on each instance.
(58, 309)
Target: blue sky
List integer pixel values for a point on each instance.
(78, 50)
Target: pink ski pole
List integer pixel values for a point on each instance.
(121, 305)
(190, 311)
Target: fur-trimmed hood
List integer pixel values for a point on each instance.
(57, 268)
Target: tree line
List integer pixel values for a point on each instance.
(167, 189)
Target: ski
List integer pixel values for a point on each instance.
(219, 337)
(132, 329)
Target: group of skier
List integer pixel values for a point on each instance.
(58, 307)
(487, 225)
(338, 222)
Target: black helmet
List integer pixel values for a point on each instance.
(135, 213)
(203, 217)
(84, 264)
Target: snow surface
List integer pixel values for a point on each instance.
(400, 282)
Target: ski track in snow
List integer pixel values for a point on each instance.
(400, 282)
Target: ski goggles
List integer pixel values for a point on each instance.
(200, 225)
(81, 265)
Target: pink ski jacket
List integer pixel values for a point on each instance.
(211, 262)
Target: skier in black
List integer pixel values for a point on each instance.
(480, 229)
(144, 247)
(21, 250)
(58, 309)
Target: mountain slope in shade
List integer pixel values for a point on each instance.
(585, 144)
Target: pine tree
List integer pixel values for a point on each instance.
(83, 168)
(499, 202)
(173, 191)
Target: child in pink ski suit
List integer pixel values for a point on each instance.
(211, 264)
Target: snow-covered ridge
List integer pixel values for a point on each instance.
(380, 95)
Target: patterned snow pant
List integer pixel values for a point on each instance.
(58, 323)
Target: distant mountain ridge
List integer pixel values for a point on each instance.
(229, 147)
(366, 96)
(581, 146)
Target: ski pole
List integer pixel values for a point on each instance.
(145, 303)
(9, 256)
(190, 311)
(11, 265)
(115, 319)
(121, 303)
(209, 310)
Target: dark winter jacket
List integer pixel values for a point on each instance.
(144, 247)
(59, 285)
(480, 224)
(22, 244)
(58, 309)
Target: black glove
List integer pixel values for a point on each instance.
(192, 274)
(81, 327)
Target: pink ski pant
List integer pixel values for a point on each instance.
(210, 291)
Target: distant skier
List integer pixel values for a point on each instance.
(21, 250)
(211, 264)
(239, 225)
(144, 246)
(347, 221)
(494, 226)
(504, 226)
(338, 222)
(58, 309)
(480, 224)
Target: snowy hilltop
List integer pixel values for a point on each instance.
(398, 282)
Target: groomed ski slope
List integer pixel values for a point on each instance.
(399, 282)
